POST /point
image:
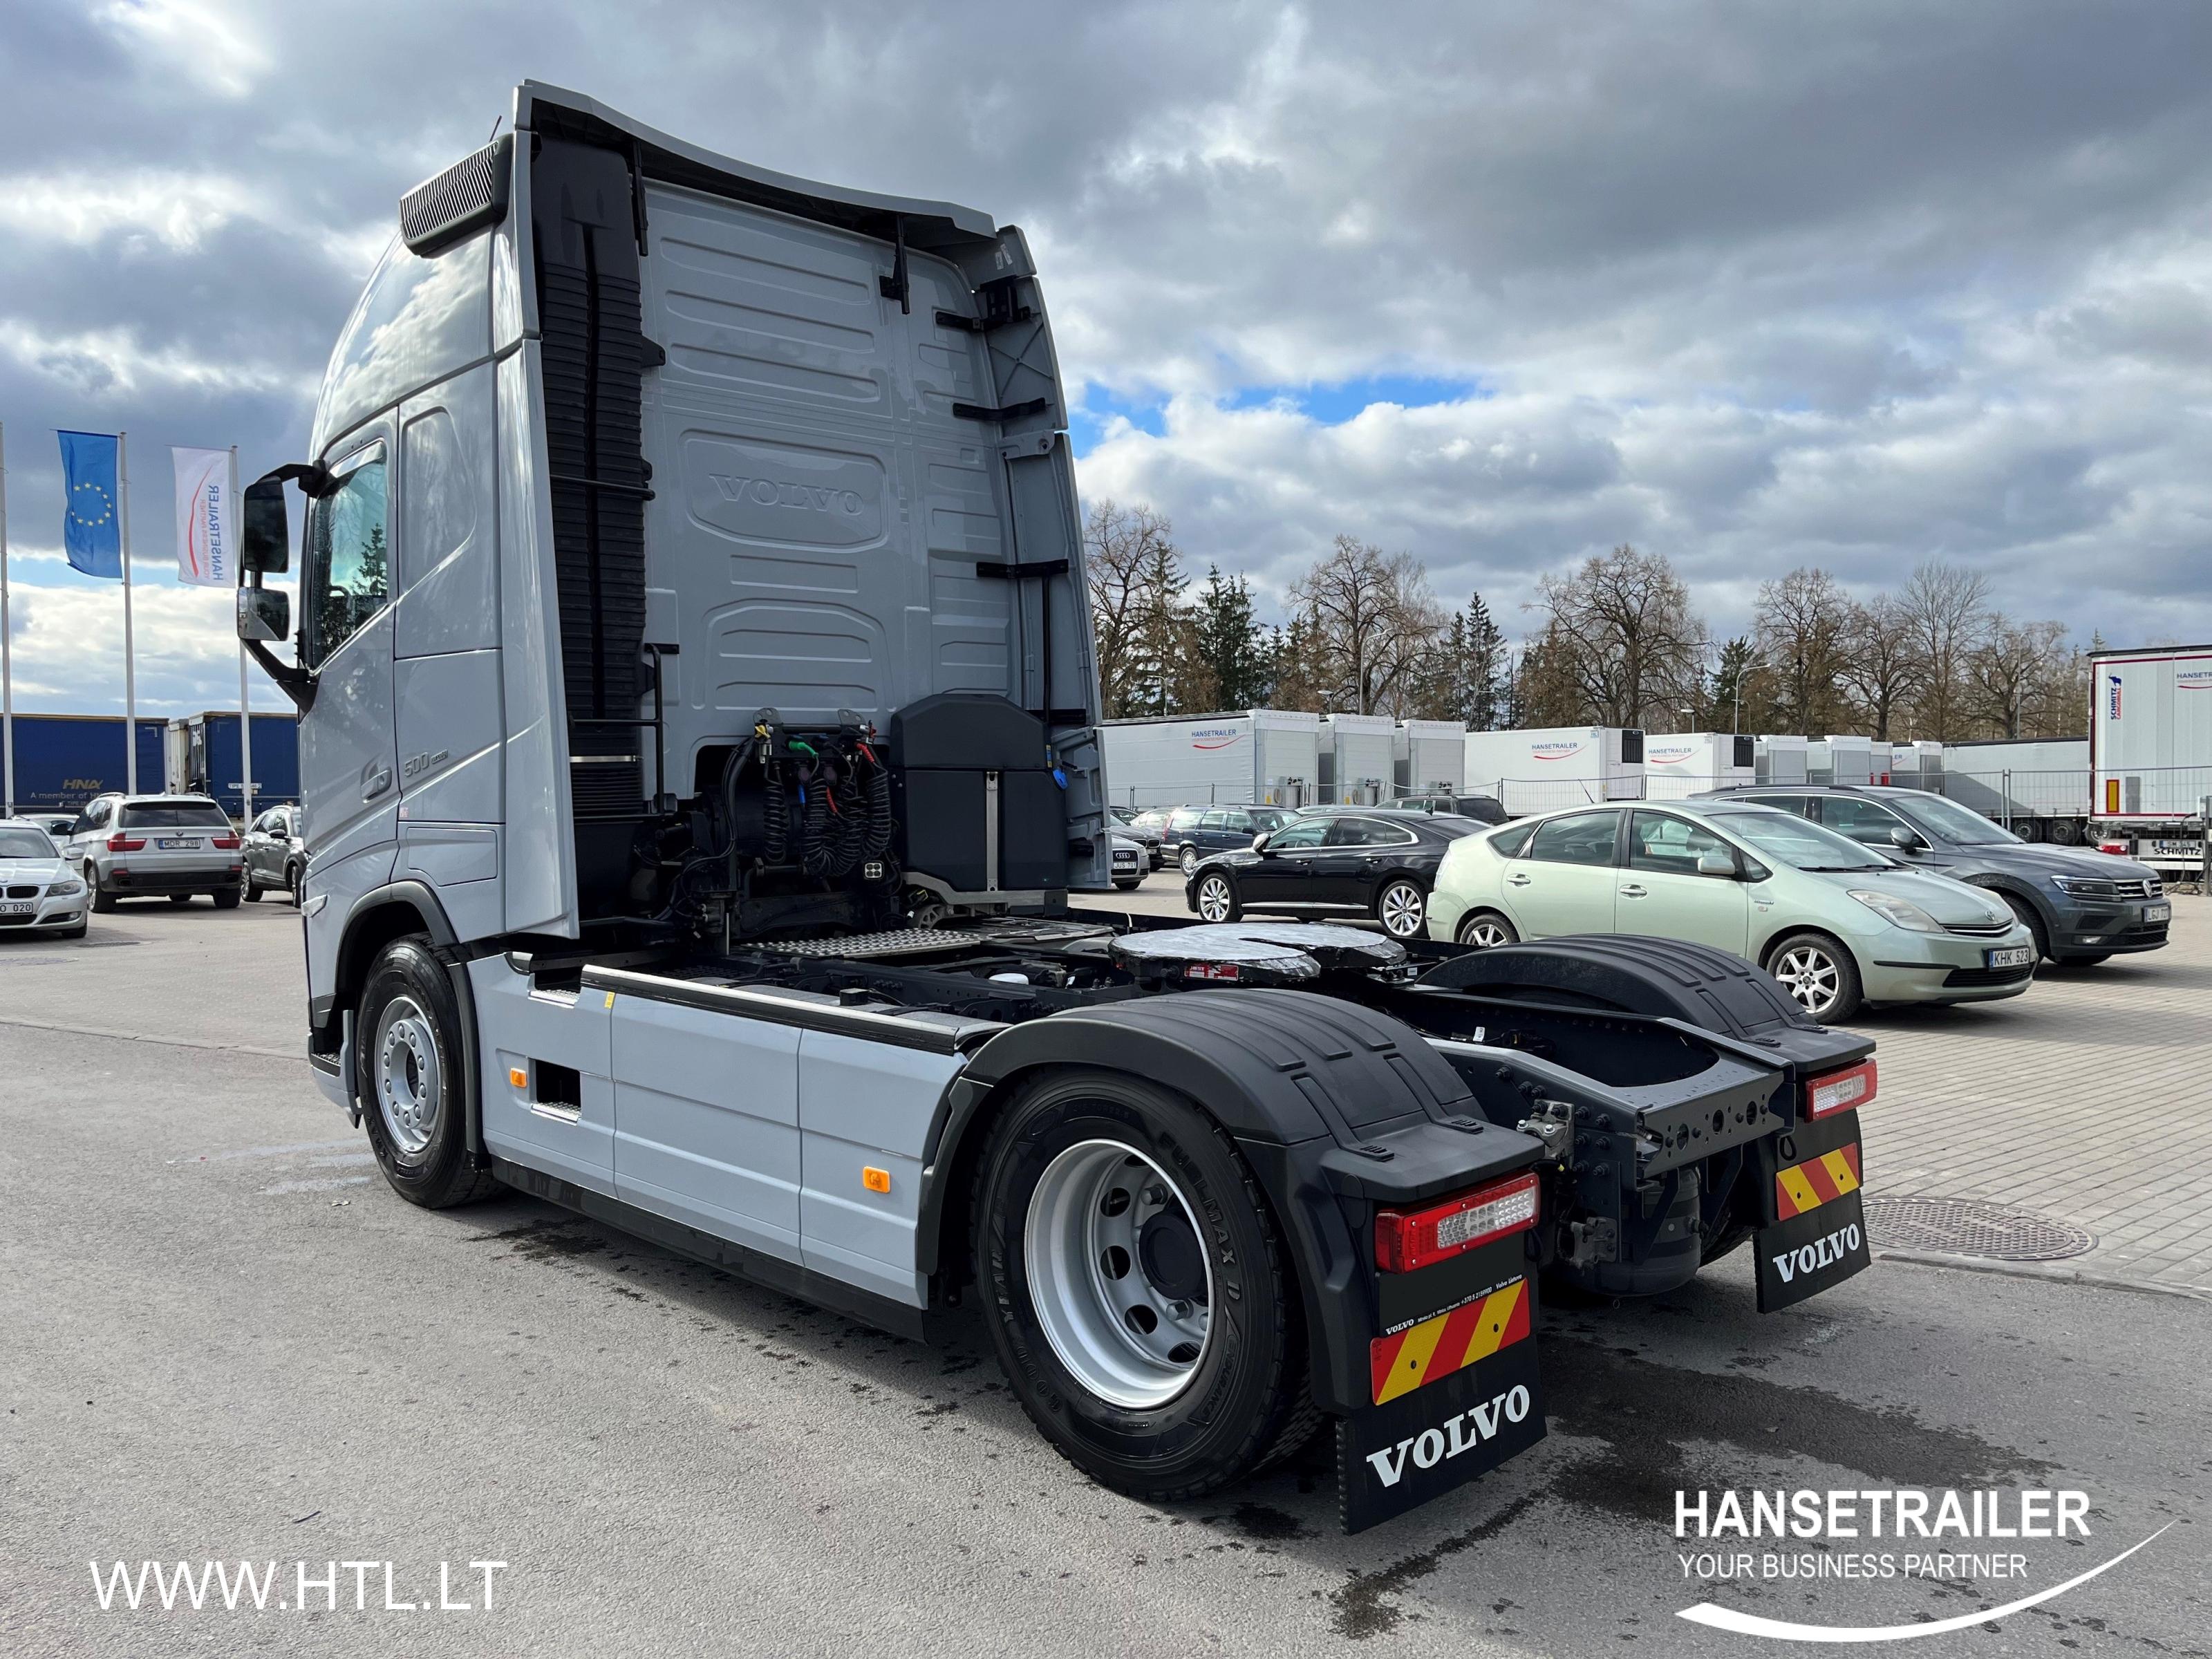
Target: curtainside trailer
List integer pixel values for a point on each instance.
(205, 758)
(62, 761)
(699, 750)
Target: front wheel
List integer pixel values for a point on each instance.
(294, 876)
(412, 1083)
(103, 901)
(1218, 899)
(1818, 972)
(1189, 859)
(227, 899)
(1403, 908)
(1485, 928)
(254, 889)
(1135, 1288)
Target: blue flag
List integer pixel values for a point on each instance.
(92, 529)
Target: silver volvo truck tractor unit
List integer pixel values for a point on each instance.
(698, 753)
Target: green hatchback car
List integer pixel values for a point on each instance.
(1837, 923)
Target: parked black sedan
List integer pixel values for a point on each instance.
(1333, 858)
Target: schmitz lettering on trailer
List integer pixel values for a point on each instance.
(1823, 1252)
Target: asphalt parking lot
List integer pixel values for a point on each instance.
(226, 1338)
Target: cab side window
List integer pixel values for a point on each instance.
(1669, 846)
(1305, 833)
(349, 573)
(1862, 820)
(1581, 838)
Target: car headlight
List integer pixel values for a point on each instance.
(69, 889)
(2085, 886)
(1898, 913)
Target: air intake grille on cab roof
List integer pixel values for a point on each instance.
(467, 197)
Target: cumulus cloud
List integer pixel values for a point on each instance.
(1751, 286)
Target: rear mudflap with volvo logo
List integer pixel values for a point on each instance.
(1814, 1233)
(1455, 1390)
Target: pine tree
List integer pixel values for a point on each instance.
(1230, 643)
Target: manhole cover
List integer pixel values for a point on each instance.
(1963, 1226)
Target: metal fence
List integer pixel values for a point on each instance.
(2178, 793)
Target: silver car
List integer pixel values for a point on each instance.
(157, 846)
(39, 892)
(276, 854)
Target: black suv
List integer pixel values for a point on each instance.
(2082, 906)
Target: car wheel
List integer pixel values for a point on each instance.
(1163, 1360)
(252, 888)
(1127, 886)
(293, 875)
(227, 899)
(1818, 972)
(2032, 922)
(103, 901)
(181, 900)
(1217, 899)
(411, 1081)
(1485, 928)
(1189, 859)
(1403, 908)
(77, 931)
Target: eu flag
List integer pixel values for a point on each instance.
(92, 530)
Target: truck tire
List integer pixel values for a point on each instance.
(1163, 1362)
(2066, 832)
(411, 1077)
(1218, 899)
(1821, 974)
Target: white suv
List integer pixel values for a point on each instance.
(157, 846)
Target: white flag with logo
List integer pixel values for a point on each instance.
(207, 517)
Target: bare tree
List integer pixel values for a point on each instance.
(1799, 628)
(1137, 580)
(1948, 609)
(2009, 674)
(1372, 619)
(1882, 668)
(1621, 632)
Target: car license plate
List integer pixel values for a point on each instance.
(179, 844)
(2158, 913)
(17, 907)
(2014, 955)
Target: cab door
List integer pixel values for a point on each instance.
(1564, 879)
(1663, 893)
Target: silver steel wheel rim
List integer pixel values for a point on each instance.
(1810, 976)
(1485, 933)
(409, 1086)
(1213, 899)
(1124, 1338)
(1190, 859)
(1402, 909)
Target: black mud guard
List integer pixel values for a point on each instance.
(1812, 1234)
(1339, 1108)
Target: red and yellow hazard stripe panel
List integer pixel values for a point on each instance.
(1807, 1186)
(1438, 1346)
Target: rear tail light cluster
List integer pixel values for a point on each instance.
(120, 843)
(1405, 1240)
(226, 843)
(1839, 1091)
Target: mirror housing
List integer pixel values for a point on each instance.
(1903, 838)
(267, 550)
(264, 614)
(1259, 842)
(1716, 863)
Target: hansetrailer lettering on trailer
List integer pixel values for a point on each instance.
(700, 763)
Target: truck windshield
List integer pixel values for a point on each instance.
(26, 844)
(1788, 839)
(1934, 816)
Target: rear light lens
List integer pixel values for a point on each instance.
(125, 844)
(1839, 1091)
(1405, 1240)
(225, 843)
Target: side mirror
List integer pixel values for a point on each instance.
(1716, 863)
(268, 538)
(1259, 842)
(264, 614)
(1903, 838)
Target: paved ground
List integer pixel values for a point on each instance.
(2088, 1099)
(221, 1336)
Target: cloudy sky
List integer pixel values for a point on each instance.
(1751, 285)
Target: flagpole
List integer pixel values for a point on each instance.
(245, 694)
(130, 665)
(7, 664)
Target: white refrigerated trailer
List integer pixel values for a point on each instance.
(2150, 752)
(1356, 764)
(1559, 766)
(1679, 764)
(1915, 765)
(1845, 760)
(1267, 756)
(1779, 760)
(1429, 758)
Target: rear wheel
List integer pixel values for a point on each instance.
(102, 900)
(1218, 899)
(293, 875)
(227, 898)
(1821, 974)
(1189, 859)
(2067, 832)
(1403, 908)
(1163, 1360)
(181, 900)
(411, 1082)
(252, 888)
(1484, 929)
(2030, 830)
